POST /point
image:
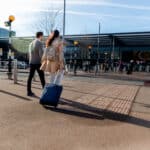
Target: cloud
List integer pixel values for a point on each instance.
(29, 5)
(98, 15)
(121, 5)
(106, 3)
(72, 2)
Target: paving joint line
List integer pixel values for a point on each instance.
(132, 102)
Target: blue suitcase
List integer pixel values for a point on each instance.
(51, 95)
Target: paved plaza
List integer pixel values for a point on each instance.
(93, 114)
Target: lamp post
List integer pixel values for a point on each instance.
(64, 19)
(9, 24)
(99, 31)
(89, 57)
(76, 43)
(98, 47)
(64, 29)
(89, 52)
(11, 19)
(113, 52)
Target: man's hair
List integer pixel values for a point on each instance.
(38, 34)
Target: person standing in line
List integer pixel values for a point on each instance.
(35, 56)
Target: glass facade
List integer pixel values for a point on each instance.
(4, 33)
(93, 53)
(124, 53)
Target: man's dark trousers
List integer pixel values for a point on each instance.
(33, 68)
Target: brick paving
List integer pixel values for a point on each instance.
(106, 97)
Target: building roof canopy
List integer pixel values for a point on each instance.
(120, 39)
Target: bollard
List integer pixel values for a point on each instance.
(15, 71)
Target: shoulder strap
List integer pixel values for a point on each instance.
(31, 47)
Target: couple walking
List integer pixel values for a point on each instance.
(49, 59)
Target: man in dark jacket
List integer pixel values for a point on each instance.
(35, 55)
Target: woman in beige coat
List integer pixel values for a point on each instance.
(53, 57)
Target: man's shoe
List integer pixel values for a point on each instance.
(31, 94)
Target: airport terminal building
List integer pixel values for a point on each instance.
(106, 47)
(96, 47)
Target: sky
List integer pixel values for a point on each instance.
(82, 16)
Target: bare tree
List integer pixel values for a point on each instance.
(48, 20)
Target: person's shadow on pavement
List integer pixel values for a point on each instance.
(86, 111)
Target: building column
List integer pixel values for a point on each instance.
(113, 52)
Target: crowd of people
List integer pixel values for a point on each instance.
(109, 66)
(129, 67)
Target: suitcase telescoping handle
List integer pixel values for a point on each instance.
(59, 76)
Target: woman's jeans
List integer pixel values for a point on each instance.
(56, 78)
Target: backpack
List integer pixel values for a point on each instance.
(49, 54)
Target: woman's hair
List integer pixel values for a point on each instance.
(52, 37)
